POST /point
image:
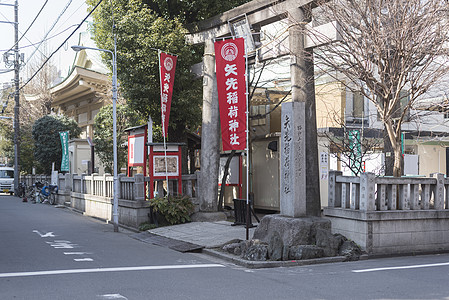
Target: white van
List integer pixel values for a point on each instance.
(7, 180)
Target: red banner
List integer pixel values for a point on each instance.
(231, 85)
(167, 65)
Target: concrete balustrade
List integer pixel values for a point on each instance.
(92, 194)
(387, 215)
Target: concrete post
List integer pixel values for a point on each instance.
(438, 191)
(210, 133)
(334, 189)
(82, 184)
(104, 185)
(119, 185)
(68, 182)
(139, 188)
(367, 190)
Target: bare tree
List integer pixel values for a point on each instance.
(390, 50)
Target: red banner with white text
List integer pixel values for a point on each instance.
(231, 85)
(167, 72)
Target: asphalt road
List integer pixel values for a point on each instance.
(54, 253)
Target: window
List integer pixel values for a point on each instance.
(258, 113)
(358, 105)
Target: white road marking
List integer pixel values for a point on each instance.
(401, 267)
(76, 253)
(83, 259)
(100, 270)
(62, 244)
(113, 296)
(48, 234)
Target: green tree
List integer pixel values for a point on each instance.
(103, 134)
(139, 32)
(47, 142)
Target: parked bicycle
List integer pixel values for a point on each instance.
(21, 191)
(45, 193)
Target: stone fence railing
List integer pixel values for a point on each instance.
(388, 215)
(92, 194)
(371, 193)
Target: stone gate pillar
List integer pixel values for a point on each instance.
(210, 133)
(299, 148)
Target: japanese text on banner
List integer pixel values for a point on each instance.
(167, 73)
(231, 85)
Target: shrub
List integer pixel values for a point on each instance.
(146, 226)
(175, 209)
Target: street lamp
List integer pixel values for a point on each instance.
(78, 48)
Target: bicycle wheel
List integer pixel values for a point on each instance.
(52, 199)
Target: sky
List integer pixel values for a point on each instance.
(47, 23)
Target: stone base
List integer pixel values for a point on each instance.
(292, 231)
(208, 216)
(285, 238)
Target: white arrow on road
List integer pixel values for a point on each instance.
(48, 234)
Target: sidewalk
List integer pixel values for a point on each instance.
(204, 234)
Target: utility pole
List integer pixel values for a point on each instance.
(18, 59)
(16, 98)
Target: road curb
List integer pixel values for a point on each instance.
(275, 264)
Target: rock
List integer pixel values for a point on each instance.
(292, 231)
(257, 252)
(351, 250)
(329, 242)
(233, 248)
(305, 252)
(275, 247)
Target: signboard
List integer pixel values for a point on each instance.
(167, 65)
(231, 86)
(324, 169)
(65, 151)
(159, 166)
(136, 150)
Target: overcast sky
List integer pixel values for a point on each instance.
(75, 12)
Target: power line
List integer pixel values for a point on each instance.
(32, 22)
(73, 32)
(53, 36)
(51, 28)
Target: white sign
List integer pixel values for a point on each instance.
(324, 166)
(136, 147)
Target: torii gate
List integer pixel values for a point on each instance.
(300, 194)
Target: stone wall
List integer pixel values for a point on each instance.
(393, 232)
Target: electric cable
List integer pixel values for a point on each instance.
(73, 32)
(48, 32)
(29, 26)
(53, 36)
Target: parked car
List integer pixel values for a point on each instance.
(7, 180)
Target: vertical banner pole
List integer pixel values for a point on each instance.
(163, 124)
(248, 215)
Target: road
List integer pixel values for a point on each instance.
(54, 253)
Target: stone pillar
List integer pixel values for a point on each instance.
(210, 134)
(293, 163)
(303, 95)
(139, 187)
(367, 192)
(438, 192)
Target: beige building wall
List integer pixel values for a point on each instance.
(330, 104)
(432, 158)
